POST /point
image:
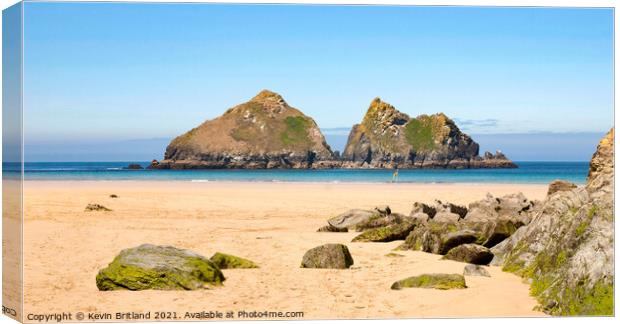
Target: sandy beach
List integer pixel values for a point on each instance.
(272, 224)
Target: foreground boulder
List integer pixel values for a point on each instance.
(475, 270)
(435, 280)
(227, 261)
(328, 256)
(470, 253)
(158, 267)
(567, 250)
(263, 133)
(388, 138)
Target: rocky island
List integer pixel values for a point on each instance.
(388, 138)
(267, 133)
(263, 133)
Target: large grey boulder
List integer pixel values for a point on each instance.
(328, 256)
(350, 219)
(515, 207)
(158, 267)
(377, 221)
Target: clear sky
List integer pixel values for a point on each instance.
(116, 72)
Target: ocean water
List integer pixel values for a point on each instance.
(528, 172)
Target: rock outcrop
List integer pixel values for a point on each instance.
(263, 133)
(388, 138)
(441, 281)
(567, 250)
(328, 256)
(486, 222)
(158, 267)
(350, 219)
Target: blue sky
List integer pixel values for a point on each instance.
(109, 72)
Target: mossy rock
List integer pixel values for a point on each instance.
(428, 237)
(227, 261)
(470, 253)
(158, 267)
(328, 256)
(379, 220)
(441, 281)
(334, 229)
(386, 233)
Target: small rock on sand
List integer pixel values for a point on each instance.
(96, 207)
(333, 256)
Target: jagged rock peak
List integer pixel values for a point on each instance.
(268, 97)
(383, 113)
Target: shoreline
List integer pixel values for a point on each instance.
(284, 182)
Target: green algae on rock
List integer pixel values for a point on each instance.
(158, 267)
(388, 233)
(441, 281)
(328, 256)
(227, 261)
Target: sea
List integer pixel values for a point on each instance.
(527, 172)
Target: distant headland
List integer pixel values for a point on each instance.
(267, 133)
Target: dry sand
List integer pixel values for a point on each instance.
(272, 224)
